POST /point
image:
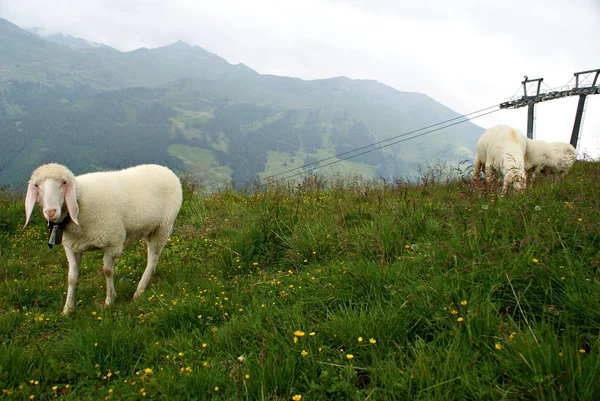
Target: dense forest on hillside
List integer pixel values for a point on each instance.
(112, 132)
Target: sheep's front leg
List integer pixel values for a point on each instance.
(531, 176)
(109, 268)
(74, 260)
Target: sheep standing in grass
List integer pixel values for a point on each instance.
(555, 158)
(106, 211)
(501, 149)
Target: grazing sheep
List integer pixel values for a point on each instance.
(106, 211)
(555, 158)
(502, 149)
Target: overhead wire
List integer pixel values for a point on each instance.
(378, 148)
(337, 156)
(515, 94)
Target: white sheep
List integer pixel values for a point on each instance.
(107, 211)
(551, 158)
(501, 149)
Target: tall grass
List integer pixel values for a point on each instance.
(330, 289)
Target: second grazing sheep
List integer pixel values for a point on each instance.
(551, 158)
(107, 211)
(501, 149)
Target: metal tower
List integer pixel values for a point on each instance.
(586, 83)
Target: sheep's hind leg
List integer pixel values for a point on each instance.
(74, 260)
(156, 241)
(109, 269)
(477, 168)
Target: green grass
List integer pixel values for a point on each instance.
(431, 292)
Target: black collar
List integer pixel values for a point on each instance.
(56, 231)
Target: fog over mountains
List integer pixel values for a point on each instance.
(92, 107)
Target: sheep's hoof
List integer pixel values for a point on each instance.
(136, 295)
(67, 310)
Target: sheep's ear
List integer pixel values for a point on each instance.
(30, 198)
(71, 201)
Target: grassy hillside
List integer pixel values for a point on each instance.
(333, 289)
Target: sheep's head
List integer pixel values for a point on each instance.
(52, 187)
(519, 181)
(515, 177)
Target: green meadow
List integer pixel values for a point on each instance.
(328, 289)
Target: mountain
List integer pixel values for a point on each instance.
(93, 107)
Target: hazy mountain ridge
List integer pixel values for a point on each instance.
(67, 40)
(200, 114)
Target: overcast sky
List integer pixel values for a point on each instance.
(467, 54)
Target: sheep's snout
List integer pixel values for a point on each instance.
(50, 214)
